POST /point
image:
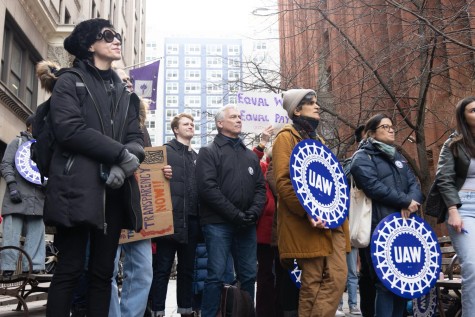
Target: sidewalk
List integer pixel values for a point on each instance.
(37, 308)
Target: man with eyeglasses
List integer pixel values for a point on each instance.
(92, 193)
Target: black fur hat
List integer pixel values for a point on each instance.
(83, 36)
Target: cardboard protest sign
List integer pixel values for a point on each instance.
(155, 198)
(261, 109)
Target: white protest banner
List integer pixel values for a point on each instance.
(261, 109)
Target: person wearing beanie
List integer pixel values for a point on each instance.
(320, 252)
(92, 193)
(22, 210)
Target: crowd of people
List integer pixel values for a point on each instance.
(241, 206)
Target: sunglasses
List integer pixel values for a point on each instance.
(109, 36)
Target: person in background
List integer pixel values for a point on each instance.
(320, 252)
(352, 263)
(232, 195)
(137, 255)
(22, 211)
(92, 192)
(455, 179)
(265, 289)
(182, 159)
(385, 176)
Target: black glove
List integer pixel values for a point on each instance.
(242, 220)
(15, 195)
(251, 216)
(116, 177)
(128, 162)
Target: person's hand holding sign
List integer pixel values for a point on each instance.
(320, 224)
(266, 135)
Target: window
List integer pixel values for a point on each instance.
(233, 75)
(192, 61)
(234, 62)
(196, 141)
(233, 87)
(172, 101)
(214, 101)
(170, 113)
(172, 74)
(193, 101)
(194, 74)
(67, 16)
(150, 124)
(214, 49)
(172, 61)
(214, 88)
(214, 75)
(171, 88)
(172, 49)
(260, 45)
(168, 138)
(234, 50)
(195, 113)
(18, 64)
(193, 49)
(233, 99)
(214, 62)
(192, 88)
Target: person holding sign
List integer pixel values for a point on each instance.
(455, 181)
(22, 209)
(385, 176)
(320, 252)
(232, 195)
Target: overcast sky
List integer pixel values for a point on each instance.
(206, 18)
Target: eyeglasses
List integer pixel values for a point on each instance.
(109, 36)
(386, 127)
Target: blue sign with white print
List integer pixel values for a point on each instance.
(406, 255)
(25, 165)
(319, 182)
(425, 306)
(296, 274)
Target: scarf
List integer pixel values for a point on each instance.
(306, 126)
(389, 150)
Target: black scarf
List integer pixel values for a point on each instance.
(306, 126)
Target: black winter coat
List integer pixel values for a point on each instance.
(177, 154)
(229, 180)
(390, 183)
(91, 131)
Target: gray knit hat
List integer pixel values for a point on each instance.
(293, 97)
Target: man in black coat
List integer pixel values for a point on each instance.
(182, 159)
(232, 195)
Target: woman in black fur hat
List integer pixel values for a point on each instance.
(92, 192)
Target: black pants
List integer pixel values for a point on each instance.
(71, 244)
(266, 296)
(367, 283)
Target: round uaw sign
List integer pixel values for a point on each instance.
(319, 182)
(25, 166)
(406, 255)
(425, 306)
(295, 274)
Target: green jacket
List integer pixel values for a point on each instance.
(452, 172)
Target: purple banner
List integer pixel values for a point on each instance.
(145, 82)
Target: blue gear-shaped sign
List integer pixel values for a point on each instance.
(319, 182)
(425, 306)
(406, 255)
(295, 274)
(25, 166)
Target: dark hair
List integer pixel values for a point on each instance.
(306, 99)
(465, 135)
(374, 122)
(83, 36)
(359, 133)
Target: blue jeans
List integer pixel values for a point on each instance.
(463, 245)
(34, 231)
(138, 274)
(352, 280)
(221, 240)
(388, 304)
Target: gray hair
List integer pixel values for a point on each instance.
(220, 114)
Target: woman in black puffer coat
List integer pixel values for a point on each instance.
(385, 177)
